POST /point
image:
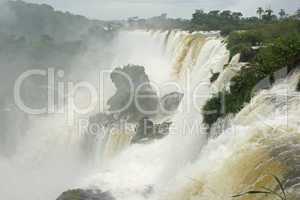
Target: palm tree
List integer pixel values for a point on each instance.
(237, 15)
(298, 13)
(260, 11)
(282, 13)
(214, 12)
(269, 12)
(226, 14)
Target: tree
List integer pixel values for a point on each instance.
(214, 12)
(199, 11)
(298, 13)
(237, 15)
(226, 14)
(269, 12)
(260, 11)
(282, 13)
(164, 16)
(268, 15)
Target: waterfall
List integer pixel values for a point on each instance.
(263, 140)
(115, 143)
(186, 164)
(188, 60)
(45, 161)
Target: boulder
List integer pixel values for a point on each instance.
(171, 102)
(80, 194)
(142, 110)
(146, 131)
(130, 81)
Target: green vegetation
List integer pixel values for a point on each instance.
(268, 43)
(227, 21)
(32, 20)
(37, 35)
(41, 36)
(264, 34)
(278, 47)
(212, 110)
(161, 22)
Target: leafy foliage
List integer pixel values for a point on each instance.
(282, 52)
(226, 21)
(264, 34)
(212, 110)
(161, 22)
(33, 20)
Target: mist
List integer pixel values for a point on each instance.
(117, 110)
(34, 37)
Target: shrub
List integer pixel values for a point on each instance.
(245, 50)
(242, 42)
(281, 52)
(212, 110)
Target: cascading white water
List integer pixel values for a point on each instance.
(188, 60)
(183, 165)
(263, 139)
(239, 160)
(45, 162)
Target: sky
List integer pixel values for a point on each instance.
(122, 9)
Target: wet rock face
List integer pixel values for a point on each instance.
(104, 118)
(136, 102)
(79, 194)
(147, 131)
(171, 102)
(134, 98)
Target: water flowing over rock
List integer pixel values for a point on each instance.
(181, 162)
(147, 131)
(126, 107)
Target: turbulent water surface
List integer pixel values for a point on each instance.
(262, 139)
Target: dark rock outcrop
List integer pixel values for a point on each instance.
(80, 194)
(134, 98)
(170, 102)
(146, 131)
(136, 102)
